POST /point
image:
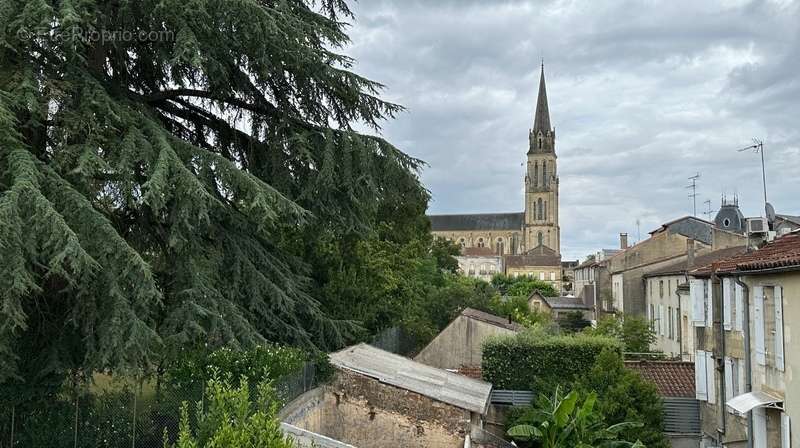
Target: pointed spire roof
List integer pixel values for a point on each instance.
(541, 121)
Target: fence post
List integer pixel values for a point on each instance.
(75, 437)
(13, 409)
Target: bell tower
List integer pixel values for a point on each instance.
(541, 180)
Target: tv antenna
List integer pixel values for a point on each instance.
(693, 194)
(758, 147)
(708, 211)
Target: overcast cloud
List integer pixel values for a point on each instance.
(643, 94)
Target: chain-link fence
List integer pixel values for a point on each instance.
(136, 415)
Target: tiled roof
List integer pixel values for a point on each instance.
(478, 252)
(481, 221)
(538, 256)
(781, 253)
(566, 303)
(491, 319)
(703, 259)
(672, 378)
(471, 372)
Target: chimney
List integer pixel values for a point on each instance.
(623, 241)
(689, 253)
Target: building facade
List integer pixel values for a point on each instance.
(746, 319)
(536, 230)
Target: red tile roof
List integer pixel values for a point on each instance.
(783, 252)
(471, 372)
(672, 378)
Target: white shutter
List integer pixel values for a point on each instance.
(728, 378)
(778, 296)
(739, 292)
(759, 428)
(661, 320)
(740, 376)
(709, 304)
(758, 311)
(698, 304)
(711, 389)
(726, 302)
(786, 431)
(700, 375)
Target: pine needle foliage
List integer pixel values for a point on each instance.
(154, 156)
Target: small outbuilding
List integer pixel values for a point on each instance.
(559, 307)
(460, 344)
(379, 399)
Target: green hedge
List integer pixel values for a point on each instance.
(538, 362)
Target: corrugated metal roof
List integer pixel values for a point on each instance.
(479, 221)
(448, 387)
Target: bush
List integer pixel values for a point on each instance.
(634, 332)
(522, 286)
(624, 396)
(536, 361)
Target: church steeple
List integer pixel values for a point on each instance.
(541, 122)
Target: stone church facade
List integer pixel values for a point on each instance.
(529, 242)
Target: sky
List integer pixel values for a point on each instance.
(642, 94)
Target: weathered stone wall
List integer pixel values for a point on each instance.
(365, 413)
(459, 344)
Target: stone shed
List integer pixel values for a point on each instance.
(378, 399)
(460, 343)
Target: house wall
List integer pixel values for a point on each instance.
(661, 292)
(552, 274)
(481, 267)
(459, 344)
(366, 413)
(767, 377)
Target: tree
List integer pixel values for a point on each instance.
(161, 190)
(561, 422)
(634, 332)
(522, 286)
(624, 396)
(573, 322)
(444, 251)
(233, 420)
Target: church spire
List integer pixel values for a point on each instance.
(541, 121)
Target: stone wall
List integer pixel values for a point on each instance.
(365, 413)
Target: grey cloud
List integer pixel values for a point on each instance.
(642, 96)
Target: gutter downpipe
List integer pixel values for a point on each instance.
(747, 354)
(721, 328)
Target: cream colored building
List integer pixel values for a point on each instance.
(537, 227)
(746, 318)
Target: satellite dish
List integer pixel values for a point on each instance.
(770, 213)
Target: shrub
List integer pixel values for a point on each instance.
(634, 332)
(537, 361)
(624, 396)
(232, 420)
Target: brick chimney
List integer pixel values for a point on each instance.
(623, 241)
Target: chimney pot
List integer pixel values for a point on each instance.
(623, 241)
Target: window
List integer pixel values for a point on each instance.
(492, 269)
(471, 269)
(670, 333)
(541, 276)
(545, 209)
(652, 317)
(768, 320)
(480, 242)
(540, 237)
(462, 243)
(552, 276)
(544, 173)
(661, 289)
(484, 269)
(700, 294)
(727, 303)
(539, 210)
(500, 247)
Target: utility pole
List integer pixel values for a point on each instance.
(693, 194)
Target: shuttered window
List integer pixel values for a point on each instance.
(700, 375)
(786, 431)
(727, 293)
(710, 378)
(779, 359)
(729, 381)
(739, 307)
(709, 299)
(758, 323)
(698, 303)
